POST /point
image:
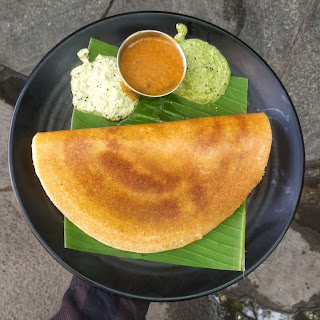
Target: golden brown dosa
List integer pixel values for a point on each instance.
(153, 187)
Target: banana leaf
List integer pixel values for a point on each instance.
(223, 247)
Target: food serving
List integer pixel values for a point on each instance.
(151, 63)
(96, 88)
(208, 72)
(156, 187)
(153, 187)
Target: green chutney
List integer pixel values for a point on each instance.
(208, 72)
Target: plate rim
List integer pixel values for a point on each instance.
(75, 272)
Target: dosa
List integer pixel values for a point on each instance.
(153, 187)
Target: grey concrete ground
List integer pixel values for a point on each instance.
(287, 35)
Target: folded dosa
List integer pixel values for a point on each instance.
(153, 187)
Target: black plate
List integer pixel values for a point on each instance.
(45, 105)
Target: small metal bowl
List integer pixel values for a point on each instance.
(144, 33)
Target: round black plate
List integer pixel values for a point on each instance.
(45, 105)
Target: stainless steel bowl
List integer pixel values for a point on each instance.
(144, 33)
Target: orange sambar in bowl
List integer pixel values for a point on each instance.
(153, 64)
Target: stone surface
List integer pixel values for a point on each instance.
(271, 27)
(301, 79)
(32, 283)
(308, 211)
(29, 29)
(11, 84)
(225, 16)
(5, 119)
(200, 308)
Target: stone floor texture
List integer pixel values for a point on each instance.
(287, 36)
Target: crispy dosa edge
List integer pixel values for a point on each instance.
(153, 187)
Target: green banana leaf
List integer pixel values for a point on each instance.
(223, 247)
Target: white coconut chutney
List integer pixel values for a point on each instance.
(96, 88)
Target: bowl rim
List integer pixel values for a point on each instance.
(139, 34)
